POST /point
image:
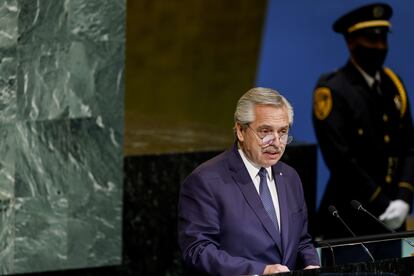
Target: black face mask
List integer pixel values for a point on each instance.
(370, 59)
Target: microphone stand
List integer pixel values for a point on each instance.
(334, 212)
(359, 207)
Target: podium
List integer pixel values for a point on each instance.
(355, 249)
(386, 267)
(398, 266)
(394, 266)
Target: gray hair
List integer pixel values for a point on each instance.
(244, 113)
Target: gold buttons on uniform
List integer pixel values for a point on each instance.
(386, 138)
(388, 179)
(360, 131)
(385, 117)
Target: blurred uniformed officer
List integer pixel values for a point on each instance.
(364, 128)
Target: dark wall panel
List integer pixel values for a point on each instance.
(187, 63)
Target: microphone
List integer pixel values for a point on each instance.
(358, 206)
(332, 210)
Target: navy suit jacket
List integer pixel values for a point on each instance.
(223, 228)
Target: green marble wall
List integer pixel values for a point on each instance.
(61, 133)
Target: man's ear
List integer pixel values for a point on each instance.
(239, 132)
(350, 41)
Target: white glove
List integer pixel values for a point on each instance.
(395, 214)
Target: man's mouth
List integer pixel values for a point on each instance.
(271, 150)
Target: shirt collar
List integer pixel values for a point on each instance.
(370, 80)
(252, 168)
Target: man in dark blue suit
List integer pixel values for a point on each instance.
(243, 212)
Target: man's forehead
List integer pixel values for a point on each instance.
(268, 107)
(274, 126)
(373, 33)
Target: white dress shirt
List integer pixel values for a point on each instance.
(253, 172)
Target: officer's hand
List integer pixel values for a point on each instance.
(395, 213)
(275, 268)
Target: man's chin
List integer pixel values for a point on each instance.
(272, 157)
(271, 161)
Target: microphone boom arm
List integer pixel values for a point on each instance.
(334, 212)
(359, 207)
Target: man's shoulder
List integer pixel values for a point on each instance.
(214, 164)
(393, 77)
(339, 85)
(211, 172)
(334, 79)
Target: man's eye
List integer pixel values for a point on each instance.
(264, 131)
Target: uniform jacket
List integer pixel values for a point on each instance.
(367, 141)
(224, 229)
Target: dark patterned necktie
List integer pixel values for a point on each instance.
(267, 198)
(376, 87)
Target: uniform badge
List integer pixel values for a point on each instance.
(378, 11)
(397, 102)
(322, 102)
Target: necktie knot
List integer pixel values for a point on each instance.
(262, 172)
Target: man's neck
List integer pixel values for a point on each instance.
(368, 78)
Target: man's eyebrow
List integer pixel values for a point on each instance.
(264, 126)
(271, 127)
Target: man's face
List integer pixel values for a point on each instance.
(267, 118)
(369, 49)
(371, 39)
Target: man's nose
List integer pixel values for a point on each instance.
(380, 44)
(276, 140)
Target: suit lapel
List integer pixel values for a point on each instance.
(283, 206)
(243, 180)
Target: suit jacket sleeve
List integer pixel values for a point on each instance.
(198, 230)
